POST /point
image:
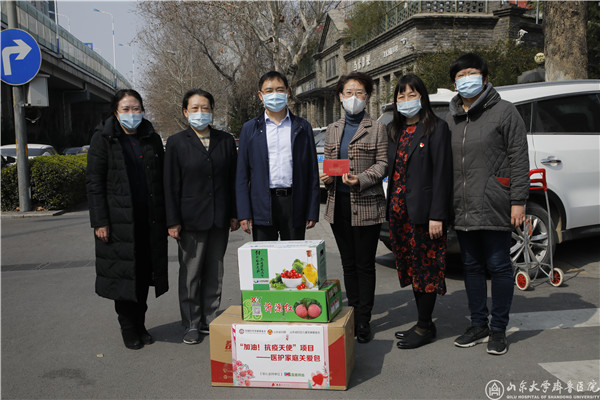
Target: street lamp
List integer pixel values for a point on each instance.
(132, 62)
(65, 16)
(112, 18)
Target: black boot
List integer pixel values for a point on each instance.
(131, 339)
(144, 335)
(363, 333)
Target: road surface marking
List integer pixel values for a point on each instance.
(541, 320)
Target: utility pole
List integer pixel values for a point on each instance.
(20, 128)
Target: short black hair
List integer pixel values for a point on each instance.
(363, 78)
(272, 75)
(199, 92)
(117, 97)
(469, 60)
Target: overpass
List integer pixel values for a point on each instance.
(80, 85)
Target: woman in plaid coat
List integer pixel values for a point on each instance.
(356, 202)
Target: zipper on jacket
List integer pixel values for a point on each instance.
(463, 171)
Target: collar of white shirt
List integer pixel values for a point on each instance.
(287, 117)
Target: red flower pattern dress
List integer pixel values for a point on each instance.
(420, 260)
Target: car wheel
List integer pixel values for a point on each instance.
(536, 234)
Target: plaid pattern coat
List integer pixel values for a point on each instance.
(367, 153)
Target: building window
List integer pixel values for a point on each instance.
(330, 68)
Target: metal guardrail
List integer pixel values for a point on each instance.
(43, 29)
(399, 11)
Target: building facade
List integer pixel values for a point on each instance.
(411, 29)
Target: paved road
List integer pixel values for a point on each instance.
(60, 340)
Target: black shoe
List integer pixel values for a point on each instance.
(497, 344)
(145, 336)
(204, 329)
(131, 339)
(473, 336)
(414, 339)
(192, 336)
(363, 333)
(402, 334)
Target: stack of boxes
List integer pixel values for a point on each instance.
(291, 330)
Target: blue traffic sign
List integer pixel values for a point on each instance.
(21, 57)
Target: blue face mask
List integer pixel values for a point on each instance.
(275, 101)
(199, 120)
(130, 121)
(409, 108)
(469, 86)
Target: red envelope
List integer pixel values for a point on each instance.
(336, 167)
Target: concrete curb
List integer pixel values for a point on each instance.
(31, 214)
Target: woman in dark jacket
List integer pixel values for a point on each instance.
(419, 192)
(126, 201)
(491, 186)
(355, 201)
(199, 175)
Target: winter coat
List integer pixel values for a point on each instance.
(200, 183)
(110, 203)
(368, 161)
(428, 173)
(253, 196)
(490, 162)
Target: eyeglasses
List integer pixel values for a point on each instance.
(357, 93)
(462, 75)
(278, 90)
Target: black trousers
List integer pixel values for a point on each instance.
(357, 246)
(283, 227)
(132, 314)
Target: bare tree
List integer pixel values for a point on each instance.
(285, 28)
(565, 44)
(228, 43)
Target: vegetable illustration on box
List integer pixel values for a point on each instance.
(283, 265)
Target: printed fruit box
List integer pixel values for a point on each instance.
(281, 354)
(282, 265)
(296, 306)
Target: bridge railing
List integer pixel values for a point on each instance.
(43, 29)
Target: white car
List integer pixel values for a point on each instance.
(563, 124)
(33, 150)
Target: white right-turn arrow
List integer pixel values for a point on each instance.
(22, 49)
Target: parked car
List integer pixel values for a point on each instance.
(563, 124)
(34, 150)
(320, 145)
(7, 160)
(76, 150)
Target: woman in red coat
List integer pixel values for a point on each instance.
(419, 189)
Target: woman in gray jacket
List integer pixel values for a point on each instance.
(491, 186)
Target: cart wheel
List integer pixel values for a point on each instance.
(557, 277)
(522, 280)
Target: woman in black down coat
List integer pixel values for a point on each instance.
(127, 212)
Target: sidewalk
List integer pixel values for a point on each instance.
(60, 340)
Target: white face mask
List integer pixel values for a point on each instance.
(354, 105)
